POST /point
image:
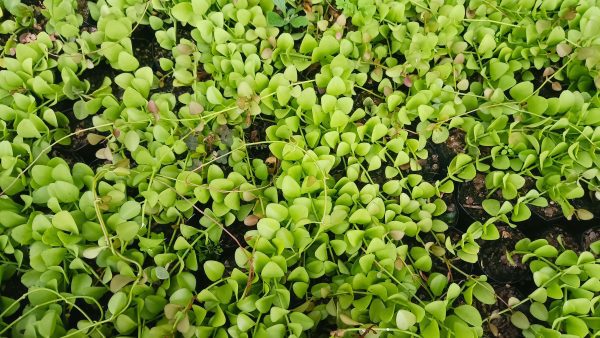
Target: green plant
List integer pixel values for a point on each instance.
(289, 16)
(566, 287)
(259, 168)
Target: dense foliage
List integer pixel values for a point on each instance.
(273, 168)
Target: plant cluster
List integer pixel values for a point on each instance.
(273, 168)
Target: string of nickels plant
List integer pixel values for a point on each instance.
(549, 78)
(243, 146)
(45, 150)
(143, 212)
(491, 21)
(109, 243)
(107, 238)
(206, 117)
(342, 332)
(41, 305)
(391, 276)
(224, 229)
(250, 172)
(137, 23)
(560, 273)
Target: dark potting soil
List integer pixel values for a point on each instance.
(377, 176)
(166, 85)
(13, 288)
(471, 196)
(233, 235)
(70, 157)
(433, 164)
(84, 10)
(548, 213)
(500, 326)
(73, 316)
(432, 167)
(79, 139)
(454, 268)
(559, 237)
(310, 72)
(365, 98)
(80, 150)
(455, 144)
(96, 76)
(450, 217)
(590, 236)
(224, 250)
(256, 132)
(547, 89)
(456, 141)
(4, 38)
(144, 51)
(495, 261)
(35, 3)
(458, 267)
(589, 203)
(553, 211)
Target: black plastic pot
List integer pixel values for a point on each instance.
(494, 261)
(551, 214)
(567, 239)
(454, 144)
(501, 326)
(455, 235)
(470, 196)
(451, 216)
(435, 162)
(432, 168)
(589, 203)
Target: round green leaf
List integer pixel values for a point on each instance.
(129, 210)
(117, 302)
(214, 270)
(405, 319)
(469, 314)
(336, 86)
(127, 230)
(65, 222)
(519, 320)
(117, 29)
(127, 62)
(271, 270)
